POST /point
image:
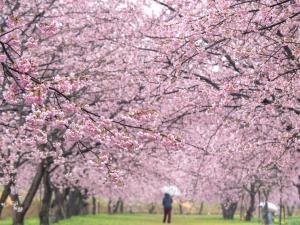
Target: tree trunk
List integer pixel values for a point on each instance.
(130, 210)
(298, 187)
(259, 209)
(284, 214)
(242, 209)
(280, 211)
(229, 210)
(18, 218)
(180, 209)
(94, 206)
(19, 215)
(109, 209)
(77, 204)
(73, 204)
(251, 209)
(117, 206)
(98, 209)
(265, 214)
(5, 194)
(152, 208)
(44, 212)
(121, 206)
(290, 210)
(265, 211)
(201, 208)
(58, 205)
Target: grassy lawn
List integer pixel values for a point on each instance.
(294, 221)
(139, 219)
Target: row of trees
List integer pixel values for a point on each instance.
(102, 96)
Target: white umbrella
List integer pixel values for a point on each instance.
(271, 206)
(172, 190)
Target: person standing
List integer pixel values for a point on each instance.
(167, 204)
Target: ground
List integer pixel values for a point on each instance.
(138, 219)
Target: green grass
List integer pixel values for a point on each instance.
(27, 222)
(146, 219)
(294, 221)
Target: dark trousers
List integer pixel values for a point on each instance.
(167, 213)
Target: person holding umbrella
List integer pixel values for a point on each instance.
(167, 204)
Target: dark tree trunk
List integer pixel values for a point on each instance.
(98, 209)
(94, 206)
(4, 196)
(228, 210)
(130, 210)
(201, 208)
(117, 206)
(121, 206)
(259, 208)
(46, 202)
(284, 214)
(242, 209)
(265, 210)
(109, 209)
(73, 204)
(77, 204)
(58, 205)
(180, 209)
(280, 212)
(18, 217)
(152, 208)
(251, 209)
(290, 210)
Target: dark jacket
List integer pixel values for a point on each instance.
(167, 201)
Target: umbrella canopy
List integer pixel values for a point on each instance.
(271, 206)
(171, 190)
